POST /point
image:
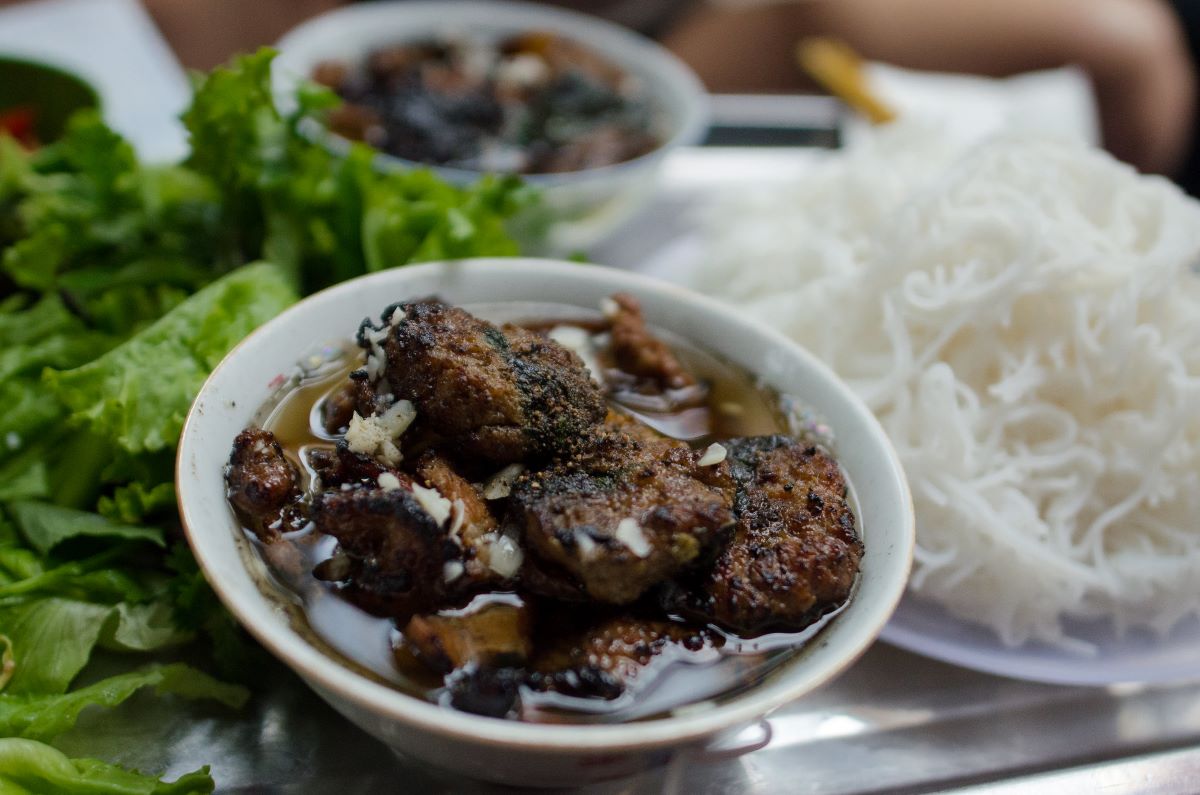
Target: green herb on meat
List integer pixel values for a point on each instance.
(121, 286)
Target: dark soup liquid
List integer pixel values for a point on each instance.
(672, 677)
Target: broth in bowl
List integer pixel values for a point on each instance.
(558, 520)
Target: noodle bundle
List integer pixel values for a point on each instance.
(1024, 318)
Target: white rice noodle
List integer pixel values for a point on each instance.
(1024, 318)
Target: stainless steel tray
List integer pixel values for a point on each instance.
(895, 722)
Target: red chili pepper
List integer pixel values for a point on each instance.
(18, 122)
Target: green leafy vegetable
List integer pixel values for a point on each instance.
(121, 286)
(52, 640)
(32, 768)
(135, 502)
(138, 393)
(45, 526)
(143, 627)
(42, 717)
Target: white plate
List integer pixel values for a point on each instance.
(1139, 655)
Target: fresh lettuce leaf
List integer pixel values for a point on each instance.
(143, 627)
(52, 640)
(121, 286)
(43, 717)
(135, 502)
(45, 526)
(8, 533)
(93, 579)
(197, 608)
(28, 767)
(17, 563)
(25, 475)
(138, 393)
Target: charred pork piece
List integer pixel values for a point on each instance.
(638, 352)
(795, 553)
(606, 659)
(493, 635)
(391, 548)
(487, 556)
(407, 544)
(625, 512)
(263, 486)
(497, 395)
(485, 691)
(342, 466)
(356, 395)
(544, 578)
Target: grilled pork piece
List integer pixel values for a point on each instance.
(640, 353)
(408, 543)
(493, 635)
(795, 553)
(263, 486)
(601, 661)
(626, 511)
(342, 466)
(604, 660)
(357, 395)
(502, 395)
(391, 550)
(488, 557)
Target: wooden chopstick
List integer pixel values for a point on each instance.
(839, 69)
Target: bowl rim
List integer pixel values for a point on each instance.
(57, 71)
(329, 676)
(577, 25)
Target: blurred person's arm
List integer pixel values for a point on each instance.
(1133, 50)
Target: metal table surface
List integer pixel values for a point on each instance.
(894, 722)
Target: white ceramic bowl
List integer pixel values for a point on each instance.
(509, 751)
(581, 207)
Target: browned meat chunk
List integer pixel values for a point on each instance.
(471, 527)
(602, 661)
(493, 635)
(608, 658)
(330, 74)
(498, 394)
(263, 485)
(627, 511)
(638, 352)
(407, 543)
(477, 521)
(341, 466)
(356, 122)
(486, 691)
(544, 578)
(795, 552)
(355, 395)
(391, 550)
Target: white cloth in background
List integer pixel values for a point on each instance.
(1059, 102)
